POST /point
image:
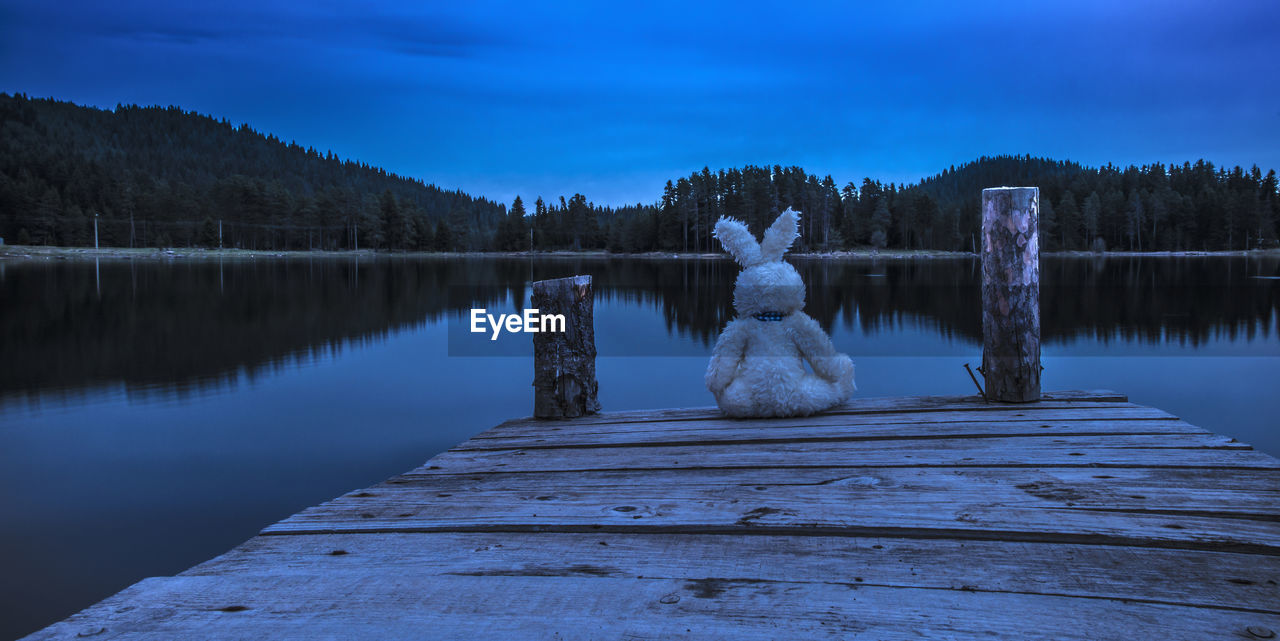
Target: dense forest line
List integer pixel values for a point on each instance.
(166, 177)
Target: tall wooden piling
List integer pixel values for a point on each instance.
(564, 362)
(1011, 293)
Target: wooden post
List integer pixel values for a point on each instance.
(1011, 293)
(564, 362)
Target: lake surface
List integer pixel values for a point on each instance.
(156, 414)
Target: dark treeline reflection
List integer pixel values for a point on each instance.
(72, 325)
(1186, 301)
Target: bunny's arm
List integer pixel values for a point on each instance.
(730, 348)
(816, 347)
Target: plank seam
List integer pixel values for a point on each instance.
(859, 584)
(747, 424)
(424, 473)
(855, 439)
(714, 414)
(1259, 549)
(1211, 514)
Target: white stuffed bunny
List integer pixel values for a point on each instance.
(757, 368)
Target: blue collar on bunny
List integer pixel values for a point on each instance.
(769, 316)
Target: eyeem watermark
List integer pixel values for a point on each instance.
(530, 323)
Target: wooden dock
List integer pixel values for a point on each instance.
(1081, 516)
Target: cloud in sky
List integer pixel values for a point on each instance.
(612, 101)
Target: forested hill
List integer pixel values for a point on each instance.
(1193, 206)
(160, 177)
(163, 176)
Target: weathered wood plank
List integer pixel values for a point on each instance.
(1261, 482)
(1067, 411)
(1104, 412)
(1169, 508)
(855, 406)
(1209, 579)
(1112, 450)
(521, 607)
(680, 432)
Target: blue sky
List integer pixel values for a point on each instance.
(612, 100)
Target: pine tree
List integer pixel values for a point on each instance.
(424, 235)
(880, 222)
(209, 233)
(1069, 223)
(1135, 218)
(1269, 213)
(395, 226)
(514, 230)
(868, 197)
(669, 228)
(540, 224)
(1090, 217)
(444, 241)
(848, 213)
(581, 222)
(1049, 239)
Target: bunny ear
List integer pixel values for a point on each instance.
(738, 241)
(779, 236)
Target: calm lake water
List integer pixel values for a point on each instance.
(156, 414)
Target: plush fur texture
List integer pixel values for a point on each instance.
(757, 367)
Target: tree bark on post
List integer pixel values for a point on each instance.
(564, 363)
(1011, 293)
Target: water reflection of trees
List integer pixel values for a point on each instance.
(69, 325)
(66, 325)
(1185, 301)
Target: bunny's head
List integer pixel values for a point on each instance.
(766, 284)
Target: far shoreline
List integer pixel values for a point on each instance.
(44, 252)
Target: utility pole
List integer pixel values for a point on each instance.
(219, 233)
(95, 230)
